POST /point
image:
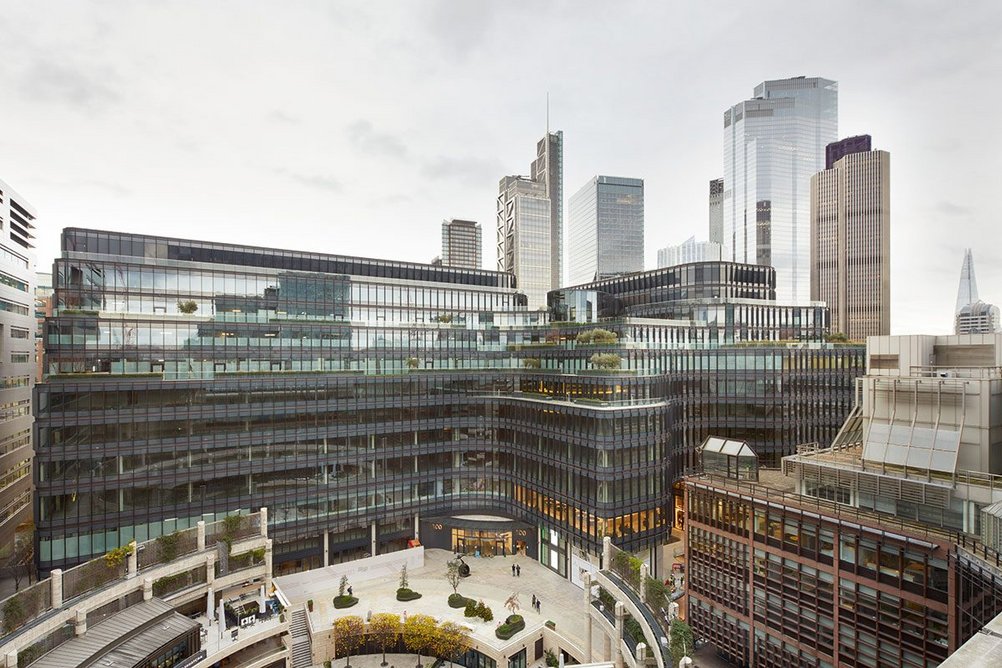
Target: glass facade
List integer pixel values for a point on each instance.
(773, 144)
(606, 229)
(181, 390)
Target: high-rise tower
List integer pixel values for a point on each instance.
(773, 144)
(605, 229)
(967, 291)
(850, 238)
(717, 211)
(972, 315)
(536, 262)
(461, 244)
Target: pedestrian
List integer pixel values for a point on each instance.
(533, 600)
(513, 570)
(504, 550)
(350, 592)
(518, 570)
(539, 606)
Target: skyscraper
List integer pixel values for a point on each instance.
(773, 144)
(541, 263)
(967, 291)
(972, 315)
(717, 211)
(689, 250)
(605, 231)
(461, 244)
(17, 363)
(850, 238)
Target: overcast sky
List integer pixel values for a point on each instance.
(356, 127)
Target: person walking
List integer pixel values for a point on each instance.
(539, 606)
(518, 571)
(533, 600)
(513, 570)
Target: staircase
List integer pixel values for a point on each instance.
(302, 647)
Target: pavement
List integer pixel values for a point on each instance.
(490, 580)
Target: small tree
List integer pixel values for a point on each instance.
(403, 577)
(451, 640)
(452, 575)
(608, 361)
(343, 586)
(680, 640)
(419, 633)
(187, 306)
(384, 628)
(412, 362)
(512, 603)
(349, 634)
(531, 363)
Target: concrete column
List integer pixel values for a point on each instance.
(644, 574)
(200, 535)
(79, 622)
(641, 654)
(606, 552)
(587, 602)
(617, 644)
(133, 561)
(327, 548)
(264, 522)
(210, 568)
(56, 578)
(10, 660)
(210, 604)
(147, 588)
(372, 539)
(417, 526)
(607, 654)
(268, 557)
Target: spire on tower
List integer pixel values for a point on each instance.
(967, 293)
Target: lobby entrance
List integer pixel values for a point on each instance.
(480, 543)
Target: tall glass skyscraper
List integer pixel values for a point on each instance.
(537, 262)
(773, 144)
(606, 229)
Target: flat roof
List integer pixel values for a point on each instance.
(123, 640)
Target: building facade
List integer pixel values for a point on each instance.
(878, 550)
(716, 203)
(605, 229)
(851, 238)
(462, 244)
(773, 144)
(530, 219)
(689, 251)
(17, 362)
(973, 316)
(368, 403)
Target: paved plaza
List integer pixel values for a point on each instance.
(490, 580)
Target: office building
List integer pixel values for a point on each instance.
(689, 251)
(17, 364)
(878, 550)
(368, 403)
(967, 289)
(851, 238)
(716, 202)
(605, 229)
(534, 254)
(461, 244)
(773, 144)
(43, 310)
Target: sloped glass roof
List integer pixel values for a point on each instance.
(930, 448)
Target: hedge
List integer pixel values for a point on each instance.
(344, 601)
(511, 626)
(404, 594)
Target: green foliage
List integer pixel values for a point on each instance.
(597, 336)
(511, 626)
(445, 317)
(608, 361)
(680, 640)
(169, 546)
(836, 337)
(117, 556)
(405, 594)
(327, 663)
(309, 604)
(343, 586)
(484, 612)
(412, 362)
(552, 660)
(531, 363)
(13, 614)
(460, 601)
(627, 566)
(257, 555)
(471, 608)
(657, 593)
(403, 577)
(632, 627)
(349, 634)
(231, 525)
(168, 584)
(453, 577)
(187, 307)
(341, 602)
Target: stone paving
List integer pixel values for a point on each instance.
(490, 580)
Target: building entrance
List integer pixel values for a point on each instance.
(481, 543)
